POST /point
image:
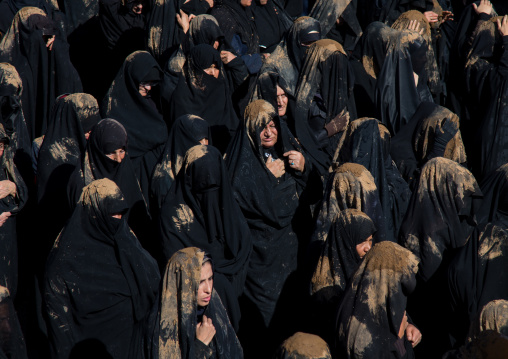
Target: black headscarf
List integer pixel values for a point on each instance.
(413, 145)
(107, 136)
(338, 262)
(373, 308)
(288, 57)
(12, 343)
(234, 19)
(388, 11)
(185, 133)
(11, 117)
(178, 313)
(348, 32)
(367, 142)
(303, 346)
(272, 21)
(203, 95)
(45, 74)
(326, 71)
(100, 283)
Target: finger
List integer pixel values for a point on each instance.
(498, 24)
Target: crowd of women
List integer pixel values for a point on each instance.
(230, 179)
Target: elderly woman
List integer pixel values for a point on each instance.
(268, 173)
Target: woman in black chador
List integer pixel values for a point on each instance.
(477, 274)
(203, 91)
(187, 131)
(366, 141)
(324, 101)
(133, 99)
(349, 239)
(338, 21)
(106, 156)
(100, 284)
(200, 211)
(439, 220)
(269, 172)
(372, 320)
(192, 322)
(41, 56)
(72, 120)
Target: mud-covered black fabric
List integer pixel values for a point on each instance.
(327, 78)
(338, 262)
(99, 283)
(178, 314)
(13, 120)
(367, 142)
(486, 77)
(371, 314)
(288, 57)
(185, 133)
(45, 74)
(348, 31)
(414, 145)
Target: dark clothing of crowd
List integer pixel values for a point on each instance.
(228, 179)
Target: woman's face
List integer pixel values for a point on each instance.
(2, 148)
(144, 88)
(269, 135)
(205, 285)
(117, 156)
(364, 247)
(282, 101)
(246, 3)
(204, 141)
(212, 71)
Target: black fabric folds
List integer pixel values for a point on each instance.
(12, 343)
(371, 314)
(45, 73)
(100, 283)
(271, 22)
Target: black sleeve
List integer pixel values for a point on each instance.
(201, 350)
(503, 66)
(238, 71)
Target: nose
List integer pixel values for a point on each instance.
(368, 246)
(208, 287)
(117, 158)
(216, 73)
